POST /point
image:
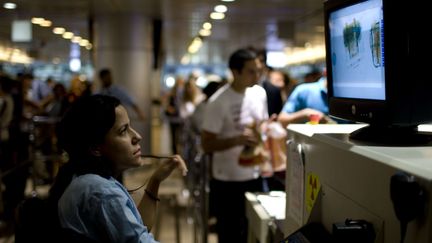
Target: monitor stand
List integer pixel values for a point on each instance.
(391, 136)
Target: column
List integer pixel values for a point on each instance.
(123, 43)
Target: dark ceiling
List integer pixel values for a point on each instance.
(276, 24)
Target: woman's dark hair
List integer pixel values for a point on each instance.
(6, 83)
(211, 88)
(83, 127)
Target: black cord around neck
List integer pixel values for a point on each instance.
(403, 230)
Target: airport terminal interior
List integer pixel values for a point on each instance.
(291, 125)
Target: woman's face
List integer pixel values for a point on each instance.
(277, 79)
(121, 144)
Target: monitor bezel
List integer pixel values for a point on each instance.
(370, 111)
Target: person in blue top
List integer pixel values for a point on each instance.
(306, 101)
(86, 198)
(110, 88)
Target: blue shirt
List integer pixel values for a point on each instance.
(308, 95)
(103, 210)
(40, 90)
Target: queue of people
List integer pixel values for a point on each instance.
(230, 120)
(22, 99)
(237, 116)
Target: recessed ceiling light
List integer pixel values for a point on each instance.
(46, 23)
(216, 15)
(84, 42)
(9, 5)
(56, 60)
(76, 39)
(204, 32)
(37, 20)
(68, 35)
(207, 26)
(220, 8)
(59, 30)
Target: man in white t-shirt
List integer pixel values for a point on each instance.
(225, 132)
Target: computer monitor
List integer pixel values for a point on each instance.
(377, 59)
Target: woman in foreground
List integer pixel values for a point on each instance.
(88, 202)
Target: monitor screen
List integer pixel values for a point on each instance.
(357, 51)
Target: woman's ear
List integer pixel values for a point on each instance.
(95, 151)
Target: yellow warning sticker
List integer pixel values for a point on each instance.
(313, 187)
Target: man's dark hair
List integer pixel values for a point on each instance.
(239, 57)
(27, 76)
(103, 72)
(261, 54)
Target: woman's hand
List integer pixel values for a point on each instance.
(167, 167)
(148, 204)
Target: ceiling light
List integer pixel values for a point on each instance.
(304, 55)
(220, 8)
(75, 64)
(204, 32)
(185, 60)
(195, 45)
(9, 5)
(170, 81)
(56, 60)
(197, 40)
(216, 15)
(59, 30)
(36, 20)
(68, 35)
(228, 0)
(83, 42)
(46, 23)
(14, 56)
(76, 39)
(89, 46)
(207, 26)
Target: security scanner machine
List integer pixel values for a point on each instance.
(358, 191)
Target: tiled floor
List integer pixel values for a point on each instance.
(175, 222)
